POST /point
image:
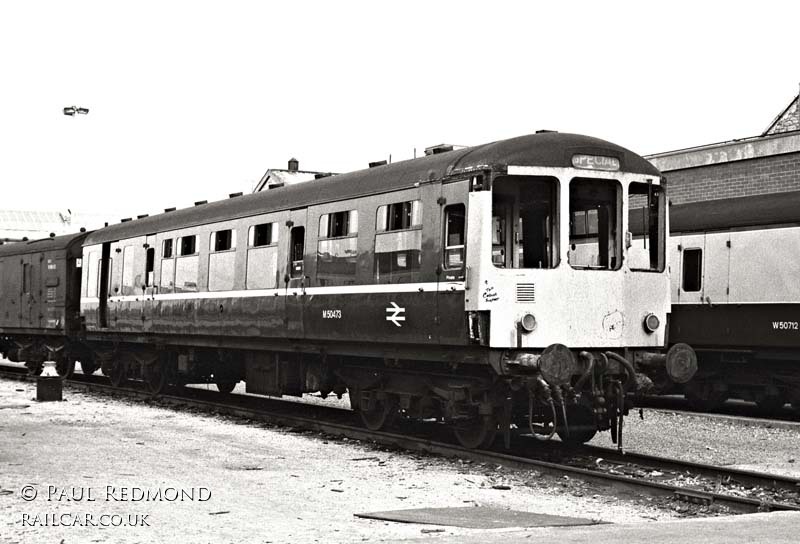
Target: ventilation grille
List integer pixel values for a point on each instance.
(526, 292)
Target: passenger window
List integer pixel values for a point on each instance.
(454, 236)
(262, 235)
(166, 249)
(223, 240)
(337, 248)
(398, 242)
(188, 245)
(692, 270)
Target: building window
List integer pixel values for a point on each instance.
(454, 236)
(188, 245)
(264, 234)
(337, 248)
(692, 270)
(223, 240)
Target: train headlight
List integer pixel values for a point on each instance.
(651, 323)
(527, 323)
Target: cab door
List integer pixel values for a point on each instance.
(451, 246)
(296, 280)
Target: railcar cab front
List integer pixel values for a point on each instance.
(568, 285)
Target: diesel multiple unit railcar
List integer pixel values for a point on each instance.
(736, 297)
(485, 287)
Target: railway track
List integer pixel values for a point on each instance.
(739, 491)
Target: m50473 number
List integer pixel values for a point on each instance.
(786, 325)
(331, 314)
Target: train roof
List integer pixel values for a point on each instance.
(65, 242)
(542, 149)
(750, 211)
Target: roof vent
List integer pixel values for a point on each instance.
(142, 216)
(125, 220)
(83, 229)
(275, 185)
(167, 210)
(436, 149)
(294, 165)
(377, 163)
(201, 202)
(545, 131)
(52, 235)
(320, 175)
(234, 195)
(24, 238)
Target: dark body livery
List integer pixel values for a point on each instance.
(40, 302)
(484, 286)
(736, 297)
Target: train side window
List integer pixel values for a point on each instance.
(223, 240)
(398, 242)
(692, 270)
(166, 249)
(264, 234)
(454, 236)
(337, 249)
(149, 267)
(262, 256)
(187, 245)
(296, 252)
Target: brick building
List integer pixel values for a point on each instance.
(769, 163)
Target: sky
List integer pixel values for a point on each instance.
(195, 100)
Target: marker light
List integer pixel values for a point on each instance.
(651, 323)
(527, 323)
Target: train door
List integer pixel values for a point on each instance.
(105, 277)
(30, 295)
(296, 279)
(691, 251)
(451, 268)
(716, 262)
(149, 282)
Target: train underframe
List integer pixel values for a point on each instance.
(559, 391)
(768, 378)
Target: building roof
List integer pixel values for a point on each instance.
(545, 149)
(276, 177)
(786, 121)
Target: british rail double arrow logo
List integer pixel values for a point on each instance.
(395, 314)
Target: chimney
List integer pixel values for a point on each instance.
(294, 165)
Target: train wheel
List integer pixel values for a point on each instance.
(770, 404)
(118, 373)
(156, 377)
(580, 424)
(226, 387)
(34, 369)
(88, 367)
(65, 367)
(478, 432)
(379, 415)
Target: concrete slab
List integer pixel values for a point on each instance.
(772, 528)
(477, 518)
